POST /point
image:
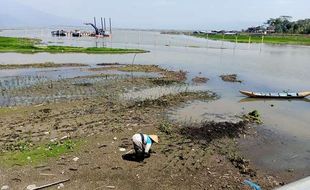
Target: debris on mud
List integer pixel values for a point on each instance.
(163, 82)
(230, 78)
(243, 165)
(198, 79)
(253, 117)
(108, 64)
(221, 135)
(209, 131)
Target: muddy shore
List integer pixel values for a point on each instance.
(99, 123)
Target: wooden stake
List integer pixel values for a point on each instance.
(51, 184)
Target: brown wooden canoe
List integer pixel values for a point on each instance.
(275, 95)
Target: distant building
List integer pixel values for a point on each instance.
(216, 32)
(271, 29)
(256, 30)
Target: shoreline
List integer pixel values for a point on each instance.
(102, 124)
(297, 40)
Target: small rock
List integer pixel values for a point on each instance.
(73, 169)
(122, 149)
(46, 133)
(5, 187)
(102, 146)
(115, 138)
(110, 187)
(117, 168)
(31, 187)
(60, 186)
(16, 179)
(290, 170)
(75, 159)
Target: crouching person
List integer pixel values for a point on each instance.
(142, 144)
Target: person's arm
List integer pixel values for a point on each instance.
(148, 145)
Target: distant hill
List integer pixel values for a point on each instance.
(14, 14)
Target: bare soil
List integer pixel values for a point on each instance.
(187, 157)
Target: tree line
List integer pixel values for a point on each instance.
(283, 24)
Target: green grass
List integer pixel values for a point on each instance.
(28, 45)
(165, 127)
(269, 39)
(30, 155)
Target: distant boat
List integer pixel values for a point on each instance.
(76, 33)
(59, 33)
(275, 95)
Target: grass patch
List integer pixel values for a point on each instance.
(30, 155)
(29, 45)
(40, 65)
(168, 76)
(141, 68)
(12, 110)
(130, 68)
(269, 39)
(165, 127)
(173, 99)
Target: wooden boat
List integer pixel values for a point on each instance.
(275, 95)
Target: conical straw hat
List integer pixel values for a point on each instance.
(154, 138)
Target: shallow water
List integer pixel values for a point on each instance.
(262, 68)
(157, 92)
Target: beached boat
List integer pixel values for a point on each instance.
(275, 95)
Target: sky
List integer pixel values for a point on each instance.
(174, 14)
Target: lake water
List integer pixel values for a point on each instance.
(261, 68)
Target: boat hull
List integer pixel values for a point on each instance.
(275, 95)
